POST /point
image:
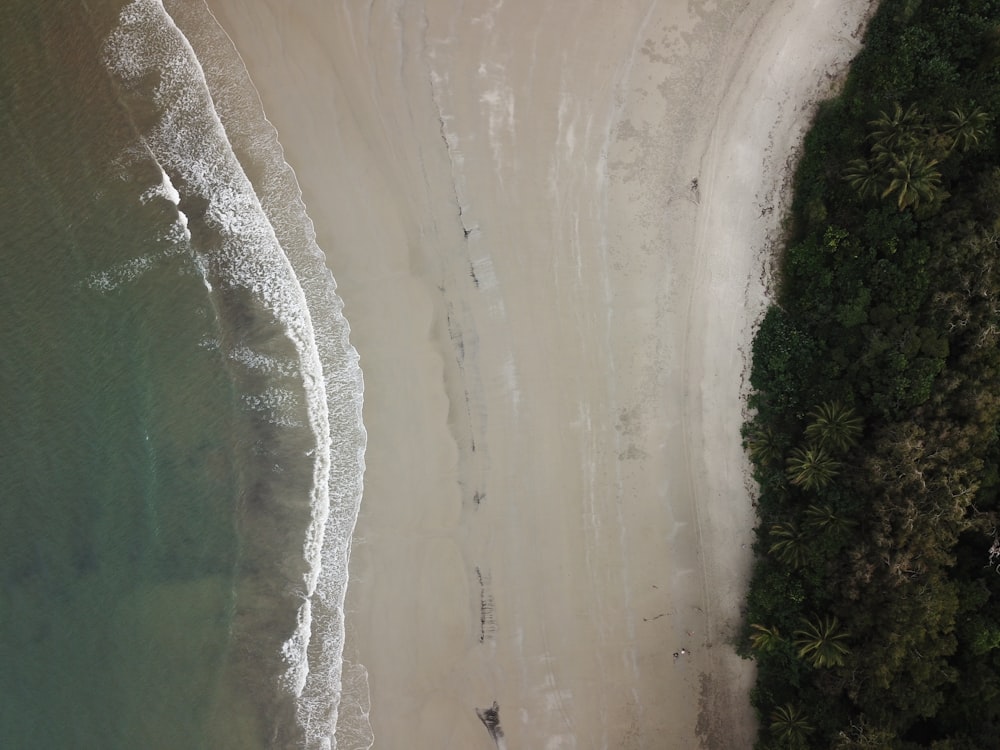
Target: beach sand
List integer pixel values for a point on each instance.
(551, 224)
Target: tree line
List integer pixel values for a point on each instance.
(873, 612)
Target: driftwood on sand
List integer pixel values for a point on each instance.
(491, 720)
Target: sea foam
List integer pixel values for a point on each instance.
(268, 249)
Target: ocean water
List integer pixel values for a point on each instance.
(181, 446)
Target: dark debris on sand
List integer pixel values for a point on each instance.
(491, 720)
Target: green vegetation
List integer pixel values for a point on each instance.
(874, 608)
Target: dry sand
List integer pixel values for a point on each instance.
(550, 223)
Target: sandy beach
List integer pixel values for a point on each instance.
(551, 224)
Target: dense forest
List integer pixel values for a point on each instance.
(874, 607)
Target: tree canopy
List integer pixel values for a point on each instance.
(874, 606)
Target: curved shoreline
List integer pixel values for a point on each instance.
(550, 233)
(801, 69)
(313, 633)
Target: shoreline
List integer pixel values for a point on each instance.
(314, 576)
(556, 494)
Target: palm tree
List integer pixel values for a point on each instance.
(864, 177)
(763, 638)
(823, 518)
(789, 725)
(965, 128)
(914, 178)
(811, 467)
(765, 447)
(792, 545)
(901, 130)
(834, 426)
(821, 641)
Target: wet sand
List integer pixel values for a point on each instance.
(550, 223)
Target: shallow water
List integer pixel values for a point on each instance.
(167, 452)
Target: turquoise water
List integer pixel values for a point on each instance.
(175, 493)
